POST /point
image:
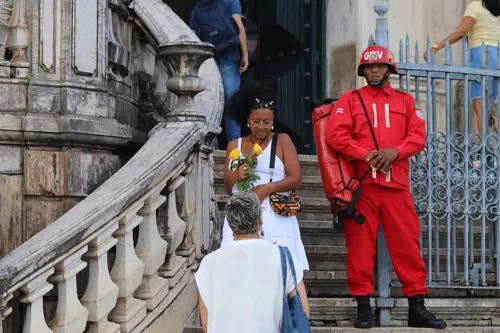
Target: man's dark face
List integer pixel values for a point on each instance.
(375, 72)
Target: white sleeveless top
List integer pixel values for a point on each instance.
(279, 230)
(262, 169)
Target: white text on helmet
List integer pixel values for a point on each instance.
(373, 55)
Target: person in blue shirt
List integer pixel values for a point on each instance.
(231, 62)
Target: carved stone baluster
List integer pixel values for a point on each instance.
(4, 309)
(127, 273)
(151, 249)
(175, 267)
(187, 196)
(101, 294)
(127, 32)
(18, 39)
(201, 231)
(144, 74)
(4, 33)
(71, 315)
(118, 56)
(185, 58)
(216, 222)
(34, 322)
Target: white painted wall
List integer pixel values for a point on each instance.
(342, 49)
(350, 23)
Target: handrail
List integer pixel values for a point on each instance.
(151, 163)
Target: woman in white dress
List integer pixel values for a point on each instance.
(254, 106)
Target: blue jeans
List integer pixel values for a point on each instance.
(475, 61)
(230, 72)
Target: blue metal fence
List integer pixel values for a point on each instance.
(455, 180)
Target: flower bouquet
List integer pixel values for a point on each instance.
(238, 160)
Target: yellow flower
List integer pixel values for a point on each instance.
(257, 149)
(235, 154)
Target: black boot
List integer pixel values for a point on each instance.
(365, 315)
(418, 316)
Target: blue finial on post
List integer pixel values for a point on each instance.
(371, 41)
(381, 31)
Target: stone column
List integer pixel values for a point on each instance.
(34, 320)
(71, 315)
(207, 230)
(151, 249)
(186, 196)
(175, 265)
(127, 273)
(18, 40)
(5, 15)
(101, 294)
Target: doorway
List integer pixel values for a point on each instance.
(291, 59)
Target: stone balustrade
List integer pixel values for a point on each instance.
(120, 258)
(132, 291)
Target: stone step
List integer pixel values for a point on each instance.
(338, 290)
(321, 233)
(339, 252)
(334, 284)
(341, 312)
(333, 258)
(309, 165)
(331, 315)
(338, 276)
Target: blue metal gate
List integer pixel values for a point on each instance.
(455, 180)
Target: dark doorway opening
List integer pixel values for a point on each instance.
(291, 59)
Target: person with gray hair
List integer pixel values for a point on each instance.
(244, 214)
(240, 285)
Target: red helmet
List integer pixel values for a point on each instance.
(377, 55)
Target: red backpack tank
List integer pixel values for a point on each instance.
(337, 172)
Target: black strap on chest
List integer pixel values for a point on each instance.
(339, 215)
(368, 119)
(272, 160)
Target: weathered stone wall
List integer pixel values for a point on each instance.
(69, 107)
(342, 49)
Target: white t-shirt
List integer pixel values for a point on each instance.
(242, 287)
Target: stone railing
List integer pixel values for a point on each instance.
(123, 256)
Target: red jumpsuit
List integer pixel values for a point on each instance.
(397, 124)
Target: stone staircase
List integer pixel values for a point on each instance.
(332, 307)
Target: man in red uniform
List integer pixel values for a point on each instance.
(399, 128)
